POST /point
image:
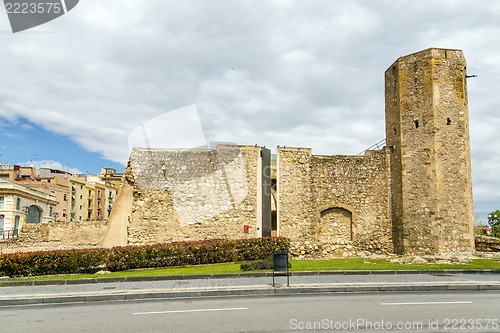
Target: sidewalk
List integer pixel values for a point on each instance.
(113, 289)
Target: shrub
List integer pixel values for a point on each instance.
(265, 264)
(194, 252)
(256, 265)
(51, 262)
(145, 256)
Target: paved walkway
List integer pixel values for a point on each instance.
(72, 291)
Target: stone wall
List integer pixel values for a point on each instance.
(413, 197)
(487, 244)
(195, 194)
(57, 236)
(334, 206)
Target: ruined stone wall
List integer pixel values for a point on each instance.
(428, 133)
(487, 244)
(414, 197)
(57, 236)
(295, 210)
(334, 206)
(194, 194)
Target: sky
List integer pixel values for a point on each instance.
(76, 91)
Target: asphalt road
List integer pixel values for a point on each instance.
(364, 312)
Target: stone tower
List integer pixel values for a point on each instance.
(427, 131)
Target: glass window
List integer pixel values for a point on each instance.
(18, 203)
(16, 226)
(34, 214)
(1, 202)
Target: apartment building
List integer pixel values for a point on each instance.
(57, 187)
(79, 197)
(16, 172)
(20, 204)
(106, 196)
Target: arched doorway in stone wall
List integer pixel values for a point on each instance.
(336, 225)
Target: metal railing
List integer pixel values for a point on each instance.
(378, 146)
(8, 234)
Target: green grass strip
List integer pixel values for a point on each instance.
(297, 266)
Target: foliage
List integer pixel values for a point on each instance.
(51, 262)
(494, 222)
(256, 265)
(146, 256)
(265, 264)
(496, 231)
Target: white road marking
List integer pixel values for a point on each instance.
(188, 311)
(426, 303)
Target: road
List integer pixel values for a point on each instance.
(350, 312)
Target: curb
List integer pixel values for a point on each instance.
(271, 291)
(6, 283)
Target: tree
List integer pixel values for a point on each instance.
(494, 222)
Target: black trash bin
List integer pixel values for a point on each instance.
(280, 267)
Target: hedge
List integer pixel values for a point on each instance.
(144, 256)
(262, 264)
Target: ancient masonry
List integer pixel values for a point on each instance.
(414, 196)
(198, 194)
(427, 130)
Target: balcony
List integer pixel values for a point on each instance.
(9, 234)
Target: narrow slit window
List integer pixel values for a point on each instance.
(448, 121)
(416, 123)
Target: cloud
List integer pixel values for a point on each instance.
(180, 128)
(275, 72)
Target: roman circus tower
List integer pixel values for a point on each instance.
(427, 130)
